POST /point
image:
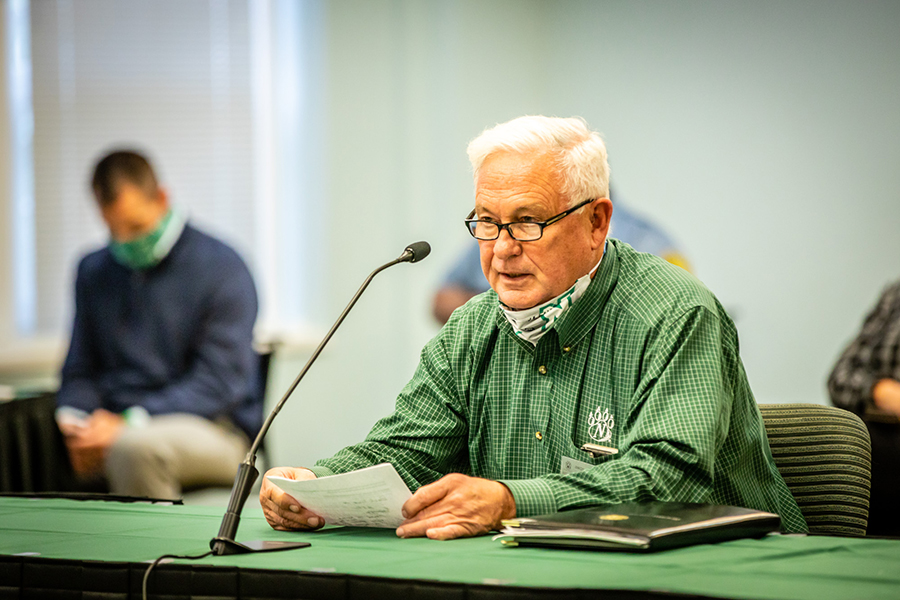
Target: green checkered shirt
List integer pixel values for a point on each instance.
(645, 361)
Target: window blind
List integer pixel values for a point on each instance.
(169, 77)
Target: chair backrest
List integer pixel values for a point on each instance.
(262, 382)
(265, 352)
(33, 455)
(824, 455)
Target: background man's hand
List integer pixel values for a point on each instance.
(89, 443)
(886, 395)
(282, 511)
(456, 506)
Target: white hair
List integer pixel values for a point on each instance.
(579, 153)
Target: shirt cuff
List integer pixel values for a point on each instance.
(532, 496)
(321, 471)
(136, 417)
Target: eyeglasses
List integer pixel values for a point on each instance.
(521, 231)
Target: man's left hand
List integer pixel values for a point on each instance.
(456, 506)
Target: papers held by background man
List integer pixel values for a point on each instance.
(639, 527)
(370, 497)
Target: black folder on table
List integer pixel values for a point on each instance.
(639, 527)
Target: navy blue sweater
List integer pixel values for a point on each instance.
(175, 338)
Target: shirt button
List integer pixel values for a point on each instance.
(538, 435)
(567, 349)
(542, 370)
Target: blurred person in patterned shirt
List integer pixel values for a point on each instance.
(866, 380)
(580, 340)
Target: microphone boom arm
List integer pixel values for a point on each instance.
(268, 423)
(224, 542)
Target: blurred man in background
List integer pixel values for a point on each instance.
(866, 380)
(466, 279)
(159, 388)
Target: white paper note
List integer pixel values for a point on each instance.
(370, 497)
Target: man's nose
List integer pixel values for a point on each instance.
(506, 246)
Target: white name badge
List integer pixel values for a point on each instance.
(570, 465)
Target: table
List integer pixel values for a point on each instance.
(53, 545)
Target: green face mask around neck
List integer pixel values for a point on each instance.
(148, 250)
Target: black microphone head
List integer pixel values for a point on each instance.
(417, 251)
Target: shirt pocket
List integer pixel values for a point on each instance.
(594, 423)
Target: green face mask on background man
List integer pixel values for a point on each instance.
(147, 251)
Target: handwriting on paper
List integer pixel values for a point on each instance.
(370, 497)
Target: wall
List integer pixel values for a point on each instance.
(763, 135)
(7, 309)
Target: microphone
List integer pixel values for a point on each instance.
(415, 252)
(224, 543)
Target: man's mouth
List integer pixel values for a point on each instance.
(513, 275)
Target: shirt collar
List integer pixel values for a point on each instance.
(575, 323)
(571, 327)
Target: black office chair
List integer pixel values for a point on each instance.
(215, 495)
(266, 353)
(33, 455)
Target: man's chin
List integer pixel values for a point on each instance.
(517, 299)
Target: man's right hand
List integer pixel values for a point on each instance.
(282, 511)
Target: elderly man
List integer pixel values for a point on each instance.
(159, 388)
(580, 340)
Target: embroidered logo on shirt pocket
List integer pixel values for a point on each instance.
(600, 425)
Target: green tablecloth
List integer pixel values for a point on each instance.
(782, 567)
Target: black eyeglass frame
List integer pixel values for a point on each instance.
(472, 223)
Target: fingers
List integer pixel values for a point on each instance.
(86, 461)
(290, 519)
(81, 441)
(427, 495)
(70, 429)
(419, 528)
(440, 527)
(442, 510)
(297, 473)
(80, 464)
(101, 417)
(449, 532)
(456, 506)
(281, 500)
(95, 434)
(282, 511)
(269, 490)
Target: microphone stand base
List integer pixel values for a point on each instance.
(234, 547)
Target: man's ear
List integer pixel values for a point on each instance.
(162, 196)
(601, 214)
